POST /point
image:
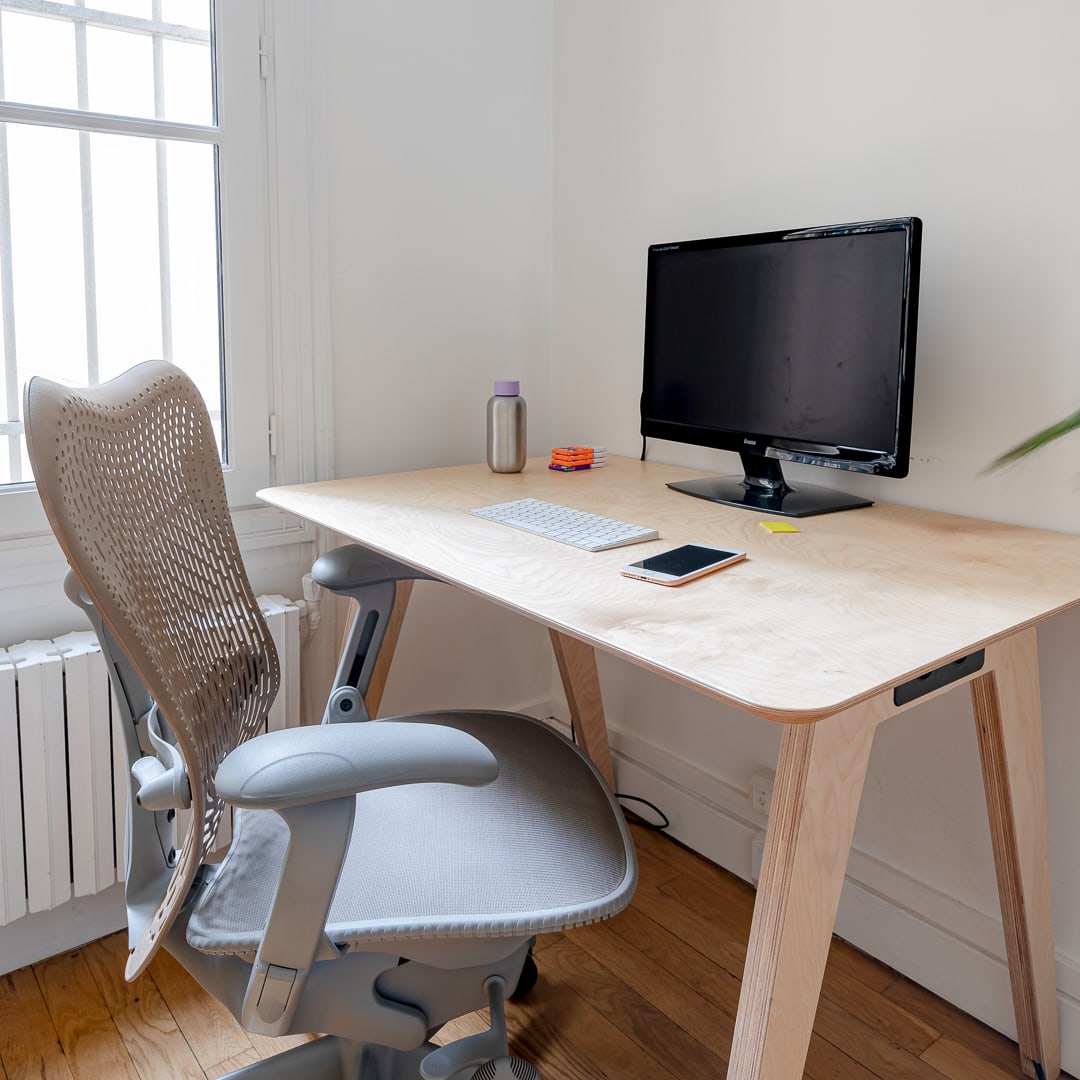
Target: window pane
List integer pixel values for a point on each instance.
(186, 13)
(126, 262)
(120, 72)
(40, 234)
(47, 252)
(106, 275)
(135, 66)
(38, 60)
(188, 84)
(14, 461)
(193, 263)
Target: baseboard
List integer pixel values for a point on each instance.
(48, 933)
(938, 942)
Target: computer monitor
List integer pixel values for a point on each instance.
(785, 346)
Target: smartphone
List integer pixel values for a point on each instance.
(682, 564)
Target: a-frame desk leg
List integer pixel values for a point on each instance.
(1008, 720)
(577, 667)
(819, 780)
(818, 786)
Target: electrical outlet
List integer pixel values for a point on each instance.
(761, 789)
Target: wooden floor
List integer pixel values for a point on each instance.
(650, 995)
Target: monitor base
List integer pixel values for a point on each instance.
(805, 500)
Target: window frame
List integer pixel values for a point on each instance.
(267, 155)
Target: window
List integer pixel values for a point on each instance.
(133, 213)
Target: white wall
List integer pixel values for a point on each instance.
(694, 118)
(439, 166)
(440, 192)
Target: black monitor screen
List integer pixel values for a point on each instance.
(794, 346)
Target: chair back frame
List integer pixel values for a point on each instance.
(130, 477)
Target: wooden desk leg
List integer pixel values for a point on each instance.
(381, 672)
(819, 780)
(1008, 719)
(577, 667)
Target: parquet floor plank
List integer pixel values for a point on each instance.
(145, 1023)
(871, 1049)
(879, 1013)
(989, 1046)
(644, 1011)
(209, 1028)
(827, 1062)
(88, 1034)
(674, 976)
(650, 995)
(29, 1043)
(669, 911)
(566, 1035)
(958, 1062)
(870, 972)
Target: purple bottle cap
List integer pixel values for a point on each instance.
(507, 387)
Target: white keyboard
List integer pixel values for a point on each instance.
(577, 527)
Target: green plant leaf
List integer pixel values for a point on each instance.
(1035, 442)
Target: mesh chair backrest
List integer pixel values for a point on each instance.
(131, 480)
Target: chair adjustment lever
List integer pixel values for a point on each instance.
(277, 985)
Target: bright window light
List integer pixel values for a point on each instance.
(109, 233)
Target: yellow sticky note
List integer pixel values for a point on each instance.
(777, 526)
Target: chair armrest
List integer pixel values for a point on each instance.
(312, 764)
(352, 567)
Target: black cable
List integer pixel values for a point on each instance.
(666, 821)
(658, 827)
(643, 442)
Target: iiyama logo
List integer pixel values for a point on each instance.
(749, 442)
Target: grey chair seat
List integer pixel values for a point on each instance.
(539, 849)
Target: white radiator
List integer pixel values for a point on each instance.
(63, 792)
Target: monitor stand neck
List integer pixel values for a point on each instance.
(764, 488)
(764, 476)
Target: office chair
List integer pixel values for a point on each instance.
(383, 877)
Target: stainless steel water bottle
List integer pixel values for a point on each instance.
(506, 428)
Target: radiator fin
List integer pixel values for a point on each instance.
(12, 872)
(90, 777)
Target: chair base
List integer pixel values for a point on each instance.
(334, 1058)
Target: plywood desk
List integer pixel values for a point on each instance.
(826, 631)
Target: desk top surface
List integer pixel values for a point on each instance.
(811, 622)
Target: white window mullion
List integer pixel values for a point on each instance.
(164, 262)
(105, 122)
(87, 187)
(89, 273)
